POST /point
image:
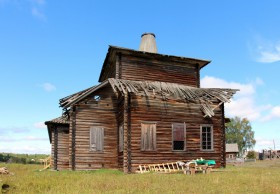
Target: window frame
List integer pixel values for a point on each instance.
(212, 138)
(184, 137)
(154, 133)
(96, 128)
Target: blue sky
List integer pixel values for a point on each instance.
(50, 49)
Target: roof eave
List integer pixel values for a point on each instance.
(85, 94)
(108, 55)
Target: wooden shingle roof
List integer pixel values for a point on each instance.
(232, 147)
(63, 120)
(164, 90)
(58, 120)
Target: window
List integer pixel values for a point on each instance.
(96, 138)
(121, 138)
(206, 137)
(148, 136)
(97, 98)
(178, 136)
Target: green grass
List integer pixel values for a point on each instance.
(259, 177)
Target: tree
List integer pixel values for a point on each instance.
(240, 131)
(251, 155)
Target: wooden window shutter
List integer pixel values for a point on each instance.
(96, 138)
(178, 131)
(148, 136)
(178, 136)
(121, 138)
(143, 136)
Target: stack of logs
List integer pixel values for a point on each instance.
(4, 170)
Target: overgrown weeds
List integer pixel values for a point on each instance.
(259, 177)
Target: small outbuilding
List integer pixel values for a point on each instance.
(232, 151)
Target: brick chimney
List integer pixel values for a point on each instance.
(148, 43)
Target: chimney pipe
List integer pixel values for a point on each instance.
(148, 43)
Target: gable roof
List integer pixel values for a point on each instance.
(74, 96)
(232, 147)
(164, 90)
(62, 120)
(58, 120)
(113, 50)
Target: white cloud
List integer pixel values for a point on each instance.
(267, 143)
(48, 87)
(38, 14)
(18, 139)
(36, 7)
(40, 125)
(213, 82)
(259, 81)
(265, 51)
(27, 149)
(243, 102)
(33, 138)
(274, 114)
(40, 2)
(6, 130)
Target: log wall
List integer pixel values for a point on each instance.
(62, 148)
(98, 113)
(164, 114)
(141, 69)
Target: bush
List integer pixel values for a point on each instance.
(251, 155)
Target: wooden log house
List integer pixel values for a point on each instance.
(148, 109)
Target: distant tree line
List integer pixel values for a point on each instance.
(22, 158)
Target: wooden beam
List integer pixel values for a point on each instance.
(73, 138)
(55, 147)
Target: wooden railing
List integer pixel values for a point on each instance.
(47, 162)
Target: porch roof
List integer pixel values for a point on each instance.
(62, 120)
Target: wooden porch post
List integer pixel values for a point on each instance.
(55, 155)
(127, 135)
(73, 140)
(223, 137)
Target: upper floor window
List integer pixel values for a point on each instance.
(178, 136)
(206, 137)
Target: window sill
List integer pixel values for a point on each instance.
(207, 150)
(93, 151)
(148, 150)
(179, 150)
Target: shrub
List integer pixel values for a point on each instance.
(251, 155)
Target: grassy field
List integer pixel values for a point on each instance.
(259, 177)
